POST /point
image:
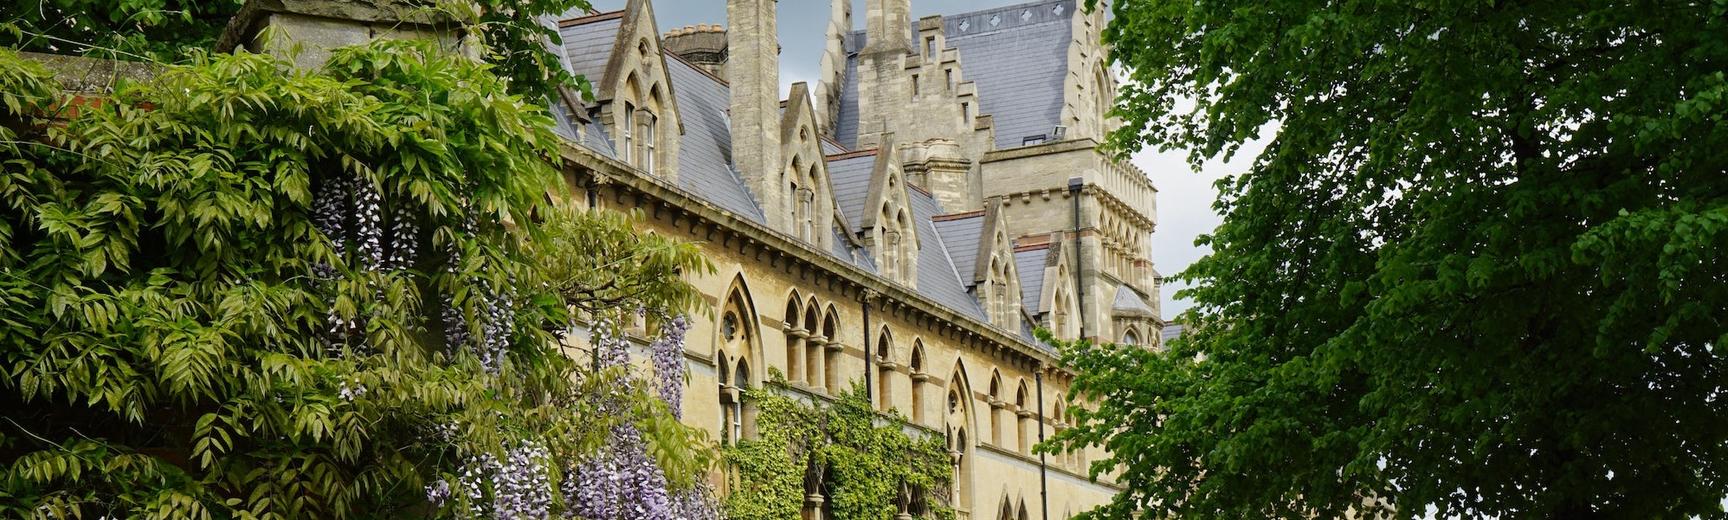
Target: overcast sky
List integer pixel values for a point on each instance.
(1184, 196)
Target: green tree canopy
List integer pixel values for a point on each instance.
(1479, 267)
(240, 290)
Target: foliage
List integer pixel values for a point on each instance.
(242, 290)
(1477, 267)
(513, 33)
(864, 463)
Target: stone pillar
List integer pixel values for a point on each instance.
(938, 166)
(888, 26)
(307, 30)
(753, 71)
(828, 88)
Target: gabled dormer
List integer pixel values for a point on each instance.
(885, 225)
(635, 96)
(995, 278)
(810, 208)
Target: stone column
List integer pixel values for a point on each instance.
(753, 71)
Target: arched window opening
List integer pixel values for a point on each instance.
(795, 334)
(919, 380)
(884, 371)
(831, 352)
(956, 423)
(814, 346)
(741, 380)
(738, 350)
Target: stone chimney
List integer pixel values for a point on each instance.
(703, 45)
(888, 25)
(307, 30)
(753, 70)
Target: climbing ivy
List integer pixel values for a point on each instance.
(866, 464)
(242, 290)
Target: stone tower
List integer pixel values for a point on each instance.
(702, 45)
(753, 71)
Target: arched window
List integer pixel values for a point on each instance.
(956, 424)
(813, 347)
(738, 350)
(795, 334)
(1130, 338)
(831, 352)
(741, 378)
(919, 380)
(884, 370)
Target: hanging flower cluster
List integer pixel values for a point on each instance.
(668, 355)
(623, 482)
(518, 485)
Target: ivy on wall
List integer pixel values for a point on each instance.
(868, 466)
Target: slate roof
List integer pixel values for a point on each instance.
(846, 123)
(705, 149)
(948, 249)
(1030, 264)
(1017, 56)
(962, 236)
(850, 180)
(588, 43)
(937, 278)
(1130, 302)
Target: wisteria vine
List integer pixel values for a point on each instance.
(620, 482)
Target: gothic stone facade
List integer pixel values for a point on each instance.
(906, 222)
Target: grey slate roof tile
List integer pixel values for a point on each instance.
(850, 180)
(1016, 55)
(1129, 302)
(963, 236)
(705, 149)
(937, 278)
(1030, 264)
(588, 46)
(1018, 64)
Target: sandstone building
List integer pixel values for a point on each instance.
(907, 221)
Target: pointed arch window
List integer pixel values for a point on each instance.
(795, 336)
(919, 380)
(884, 370)
(735, 361)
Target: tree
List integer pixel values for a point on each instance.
(1477, 268)
(242, 290)
(513, 33)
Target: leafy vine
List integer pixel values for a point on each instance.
(861, 464)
